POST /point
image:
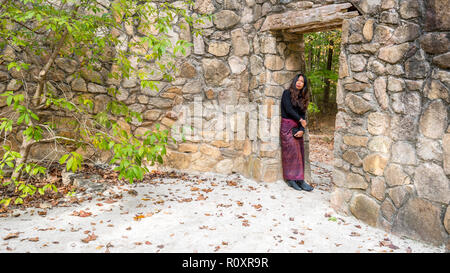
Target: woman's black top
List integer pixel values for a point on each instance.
(288, 110)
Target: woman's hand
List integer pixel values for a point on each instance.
(303, 122)
(299, 134)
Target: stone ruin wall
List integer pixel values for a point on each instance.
(392, 139)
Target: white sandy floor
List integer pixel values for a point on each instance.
(248, 217)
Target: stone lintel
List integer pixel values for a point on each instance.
(311, 17)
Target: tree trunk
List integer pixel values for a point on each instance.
(326, 93)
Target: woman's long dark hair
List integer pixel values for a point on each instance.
(300, 98)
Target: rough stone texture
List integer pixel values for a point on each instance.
(399, 195)
(409, 9)
(378, 188)
(388, 210)
(377, 123)
(435, 43)
(240, 43)
(433, 122)
(355, 181)
(215, 71)
(380, 144)
(380, 93)
(356, 140)
(428, 149)
(419, 218)
(393, 54)
(395, 176)
(374, 164)
(404, 153)
(436, 15)
(434, 89)
(273, 62)
(431, 183)
(225, 19)
(447, 220)
(357, 104)
(352, 157)
(219, 49)
(365, 208)
(417, 67)
(442, 61)
(446, 146)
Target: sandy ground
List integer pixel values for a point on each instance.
(204, 213)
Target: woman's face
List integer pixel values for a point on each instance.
(300, 83)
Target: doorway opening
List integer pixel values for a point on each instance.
(321, 52)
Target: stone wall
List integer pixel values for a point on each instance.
(392, 139)
(392, 129)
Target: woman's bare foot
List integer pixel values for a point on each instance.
(299, 134)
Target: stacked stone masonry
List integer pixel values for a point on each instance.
(392, 138)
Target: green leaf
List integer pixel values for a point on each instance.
(63, 158)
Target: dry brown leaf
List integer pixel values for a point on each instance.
(201, 197)
(91, 237)
(11, 236)
(81, 213)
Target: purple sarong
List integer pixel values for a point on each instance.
(292, 151)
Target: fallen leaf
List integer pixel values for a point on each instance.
(81, 213)
(133, 192)
(201, 197)
(354, 234)
(148, 243)
(258, 207)
(35, 239)
(392, 246)
(138, 217)
(91, 237)
(240, 203)
(11, 236)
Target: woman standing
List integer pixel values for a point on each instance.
(294, 103)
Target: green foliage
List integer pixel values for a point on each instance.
(89, 31)
(316, 56)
